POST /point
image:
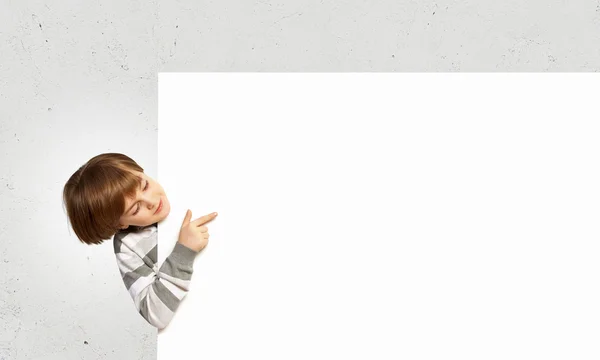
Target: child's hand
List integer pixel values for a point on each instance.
(193, 235)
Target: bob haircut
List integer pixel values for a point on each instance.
(94, 196)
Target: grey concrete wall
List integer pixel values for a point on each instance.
(76, 79)
(79, 78)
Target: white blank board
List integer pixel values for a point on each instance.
(384, 216)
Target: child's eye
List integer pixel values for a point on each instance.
(138, 207)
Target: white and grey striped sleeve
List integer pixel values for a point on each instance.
(156, 293)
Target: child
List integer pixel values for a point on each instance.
(111, 196)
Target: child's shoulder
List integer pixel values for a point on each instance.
(134, 234)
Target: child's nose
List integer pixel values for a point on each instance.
(151, 201)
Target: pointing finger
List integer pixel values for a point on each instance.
(204, 219)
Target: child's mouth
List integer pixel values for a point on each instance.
(159, 207)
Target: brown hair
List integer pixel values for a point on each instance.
(95, 195)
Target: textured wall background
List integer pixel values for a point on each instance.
(80, 78)
(76, 79)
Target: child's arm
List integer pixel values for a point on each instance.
(156, 294)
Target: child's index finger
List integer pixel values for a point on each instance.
(204, 219)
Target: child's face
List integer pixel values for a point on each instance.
(141, 211)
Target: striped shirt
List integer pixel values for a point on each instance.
(156, 292)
